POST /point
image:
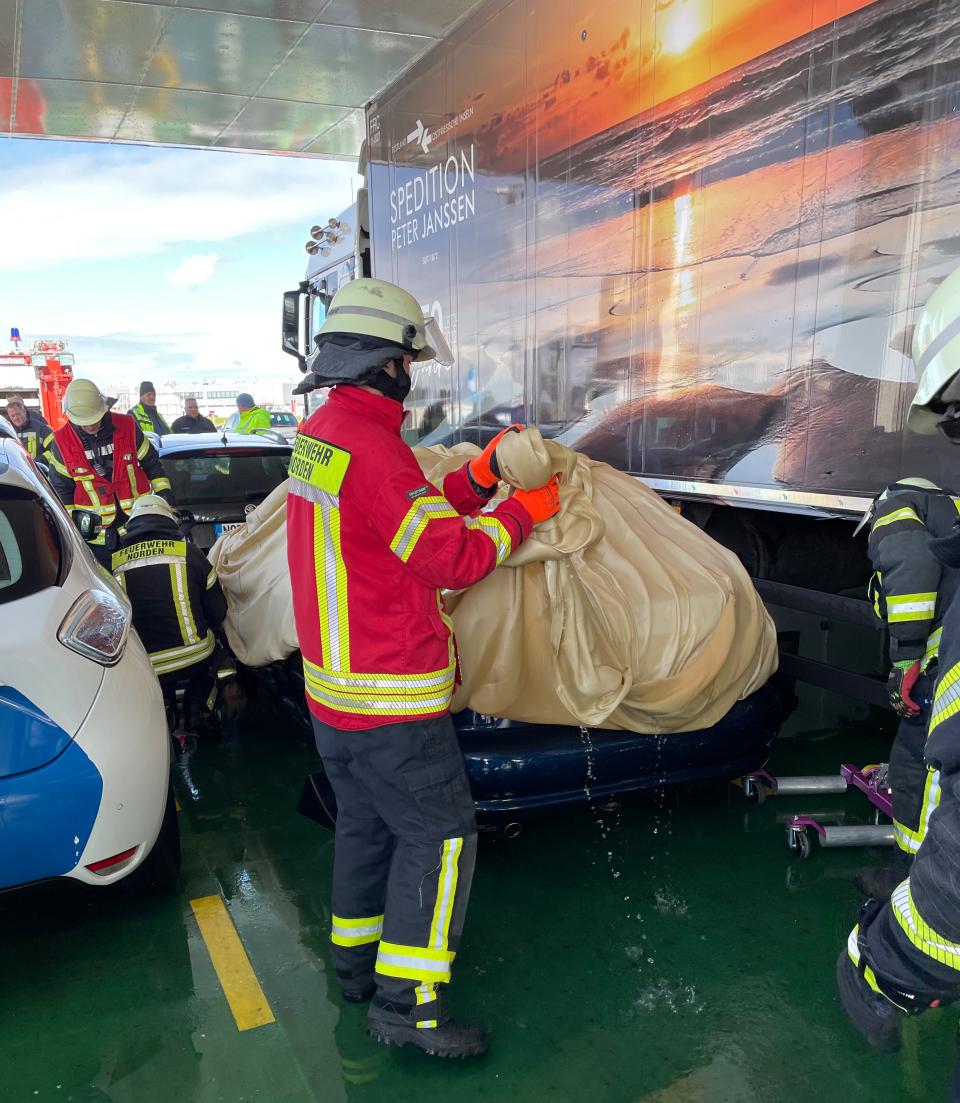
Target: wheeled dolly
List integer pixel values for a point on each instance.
(871, 781)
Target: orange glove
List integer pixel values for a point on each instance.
(484, 469)
(541, 503)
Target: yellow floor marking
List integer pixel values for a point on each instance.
(234, 971)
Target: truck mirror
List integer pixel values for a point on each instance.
(292, 328)
(88, 523)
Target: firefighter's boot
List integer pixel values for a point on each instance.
(395, 1025)
(880, 881)
(874, 1017)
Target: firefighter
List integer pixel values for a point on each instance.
(903, 956)
(177, 606)
(32, 430)
(252, 418)
(910, 589)
(371, 543)
(146, 414)
(102, 462)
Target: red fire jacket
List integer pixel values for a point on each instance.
(93, 491)
(370, 544)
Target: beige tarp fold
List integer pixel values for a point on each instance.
(617, 613)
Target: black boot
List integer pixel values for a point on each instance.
(874, 1017)
(394, 1026)
(358, 994)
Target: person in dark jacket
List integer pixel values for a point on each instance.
(146, 414)
(191, 421)
(101, 462)
(177, 605)
(30, 426)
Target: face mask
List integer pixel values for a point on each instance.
(398, 388)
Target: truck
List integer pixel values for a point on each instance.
(38, 377)
(690, 240)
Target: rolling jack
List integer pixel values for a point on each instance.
(871, 781)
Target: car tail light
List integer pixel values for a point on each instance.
(110, 864)
(96, 627)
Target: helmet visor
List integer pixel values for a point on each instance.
(950, 429)
(437, 343)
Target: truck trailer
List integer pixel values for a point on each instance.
(690, 240)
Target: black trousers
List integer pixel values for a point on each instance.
(907, 774)
(405, 851)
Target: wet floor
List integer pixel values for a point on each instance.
(668, 951)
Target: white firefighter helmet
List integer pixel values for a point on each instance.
(152, 505)
(375, 308)
(936, 355)
(83, 402)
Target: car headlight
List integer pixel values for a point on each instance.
(96, 627)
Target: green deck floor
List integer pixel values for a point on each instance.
(670, 952)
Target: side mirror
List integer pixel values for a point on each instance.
(88, 523)
(292, 327)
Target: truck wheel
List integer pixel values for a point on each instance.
(160, 870)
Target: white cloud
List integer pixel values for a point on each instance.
(194, 270)
(152, 200)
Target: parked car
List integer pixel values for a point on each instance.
(84, 749)
(218, 478)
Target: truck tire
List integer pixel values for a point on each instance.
(160, 870)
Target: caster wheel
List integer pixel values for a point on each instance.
(799, 843)
(754, 791)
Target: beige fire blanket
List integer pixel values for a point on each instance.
(617, 613)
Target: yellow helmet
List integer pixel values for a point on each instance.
(83, 402)
(936, 355)
(152, 505)
(375, 308)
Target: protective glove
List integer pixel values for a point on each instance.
(484, 469)
(541, 503)
(903, 677)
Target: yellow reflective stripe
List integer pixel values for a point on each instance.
(414, 963)
(946, 701)
(59, 467)
(919, 932)
(497, 531)
(931, 800)
(433, 507)
(374, 681)
(910, 607)
(853, 951)
(212, 578)
(907, 513)
(331, 581)
(906, 838)
(144, 447)
(181, 602)
(132, 476)
(176, 658)
(373, 706)
(427, 1024)
(356, 932)
(446, 893)
(426, 993)
(156, 485)
(933, 647)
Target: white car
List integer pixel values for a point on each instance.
(84, 748)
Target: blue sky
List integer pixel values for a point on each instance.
(156, 263)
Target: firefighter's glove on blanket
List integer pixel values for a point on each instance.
(541, 503)
(621, 613)
(485, 469)
(903, 677)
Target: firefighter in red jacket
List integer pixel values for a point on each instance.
(101, 462)
(371, 543)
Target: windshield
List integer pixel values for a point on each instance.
(282, 418)
(225, 476)
(29, 545)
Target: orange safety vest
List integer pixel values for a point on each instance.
(95, 492)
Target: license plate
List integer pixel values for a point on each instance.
(221, 529)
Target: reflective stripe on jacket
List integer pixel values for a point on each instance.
(912, 587)
(370, 544)
(95, 492)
